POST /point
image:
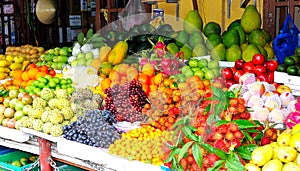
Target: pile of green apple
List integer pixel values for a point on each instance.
(14, 107)
(82, 59)
(202, 68)
(55, 58)
(49, 82)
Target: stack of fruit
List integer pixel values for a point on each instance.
(144, 144)
(281, 155)
(9, 64)
(291, 64)
(47, 81)
(263, 70)
(24, 161)
(28, 52)
(25, 77)
(50, 112)
(55, 58)
(14, 107)
(93, 129)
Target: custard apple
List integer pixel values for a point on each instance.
(47, 94)
(61, 93)
(37, 125)
(47, 127)
(45, 116)
(67, 113)
(56, 130)
(39, 103)
(55, 117)
(53, 103)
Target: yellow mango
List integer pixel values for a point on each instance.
(103, 53)
(118, 53)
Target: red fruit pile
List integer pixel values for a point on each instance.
(270, 135)
(236, 110)
(262, 68)
(226, 137)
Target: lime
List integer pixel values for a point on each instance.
(200, 74)
(209, 74)
(56, 80)
(69, 80)
(188, 73)
(216, 71)
(64, 86)
(41, 85)
(70, 90)
(214, 64)
(57, 87)
(212, 28)
(185, 68)
(48, 76)
(52, 84)
(36, 90)
(63, 81)
(35, 83)
(202, 63)
(43, 80)
(22, 90)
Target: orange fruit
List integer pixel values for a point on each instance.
(29, 66)
(17, 81)
(153, 87)
(148, 69)
(25, 76)
(158, 78)
(24, 84)
(143, 78)
(32, 73)
(40, 74)
(146, 88)
(167, 82)
(17, 74)
(105, 83)
(29, 82)
(122, 68)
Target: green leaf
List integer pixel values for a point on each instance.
(212, 119)
(244, 124)
(170, 146)
(222, 154)
(221, 122)
(258, 137)
(246, 151)
(184, 149)
(192, 128)
(248, 137)
(89, 33)
(80, 38)
(217, 166)
(179, 139)
(172, 154)
(233, 163)
(186, 120)
(207, 108)
(188, 133)
(251, 130)
(197, 154)
(219, 93)
(177, 123)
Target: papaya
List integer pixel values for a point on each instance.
(118, 53)
(103, 53)
(96, 63)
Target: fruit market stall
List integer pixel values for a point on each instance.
(152, 98)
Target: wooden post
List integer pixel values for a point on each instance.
(45, 154)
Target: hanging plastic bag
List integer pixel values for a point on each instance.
(133, 14)
(286, 41)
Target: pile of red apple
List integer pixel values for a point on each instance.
(262, 68)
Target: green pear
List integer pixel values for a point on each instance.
(251, 19)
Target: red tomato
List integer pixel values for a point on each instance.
(237, 75)
(227, 73)
(258, 69)
(52, 72)
(248, 66)
(272, 65)
(239, 63)
(258, 59)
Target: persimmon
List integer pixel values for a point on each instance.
(43, 68)
(40, 74)
(105, 83)
(25, 76)
(32, 73)
(17, 74)
(29, 66)
(143, 78)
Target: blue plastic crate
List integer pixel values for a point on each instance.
(5, 150)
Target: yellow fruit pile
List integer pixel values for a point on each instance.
(282, 155)
(144, 144)
(29, 52)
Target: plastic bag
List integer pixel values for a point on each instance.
(286, 41)
(133, 14)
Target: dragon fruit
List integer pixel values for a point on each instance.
(292, 119)
(297, 104)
